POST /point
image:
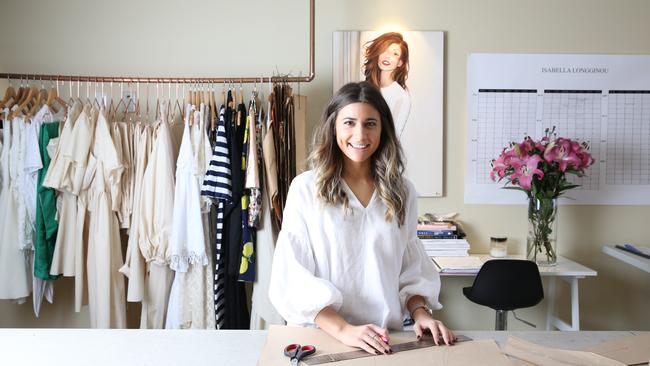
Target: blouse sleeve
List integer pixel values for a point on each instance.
(296, 293)
(418, 275)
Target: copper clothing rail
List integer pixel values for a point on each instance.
(183, 80)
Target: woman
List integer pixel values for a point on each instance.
(347, 258)
(386, 67)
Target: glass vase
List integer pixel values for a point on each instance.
(541, 245)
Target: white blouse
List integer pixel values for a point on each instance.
(362, 266)
(399, 102)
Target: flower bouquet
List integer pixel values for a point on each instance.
(540, 168)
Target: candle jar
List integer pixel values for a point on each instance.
(498, 246)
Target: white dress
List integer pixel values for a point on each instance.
(357, 263)
(191, 303)
(15, 264)
(399, 102)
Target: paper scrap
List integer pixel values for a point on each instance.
(547, 356)
(629, 350)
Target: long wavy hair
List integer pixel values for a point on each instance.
(375, 48)
(387, 164)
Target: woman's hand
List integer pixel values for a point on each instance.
(424, 322)
(372, 338)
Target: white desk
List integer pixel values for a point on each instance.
(565, 269)
(627, 257)
(98, 347)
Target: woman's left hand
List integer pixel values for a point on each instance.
(437, 329)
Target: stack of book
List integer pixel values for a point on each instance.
(440, 239)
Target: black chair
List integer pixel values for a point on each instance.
(504, 285)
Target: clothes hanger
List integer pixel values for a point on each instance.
(95, 101)
(146, 112)
(177, 105)
(23, 107)
(157, 111)
(37, 102)
(223, 93)
(121, 102)
(24, 94)
(53, 97)
(241, 92)
(10, 94)
(191, 104)
(213, 109)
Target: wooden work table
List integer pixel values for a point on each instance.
(199, 347)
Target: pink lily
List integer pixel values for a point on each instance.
(527, 145)
(560, 151)
(502, 164)
(525, 170)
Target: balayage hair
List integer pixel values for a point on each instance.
(375, 48)
(387, 164)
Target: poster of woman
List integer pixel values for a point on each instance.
(407, 67)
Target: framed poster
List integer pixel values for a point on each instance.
(408, 68)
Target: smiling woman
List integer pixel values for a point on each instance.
(347, 258)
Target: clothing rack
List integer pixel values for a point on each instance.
(183, 80)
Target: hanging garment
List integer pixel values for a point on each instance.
(36, 158)
(68, 173)
(15, 278)
(217, 185)
(155, 227)
(190, 304)
(253, 169)
(247, 266)
(237, 305)
(46, 224)
(233, 215)
(63, 258)
(263, 314)
(134, 264)
(271, 169)
(106, 295)
(120, 134)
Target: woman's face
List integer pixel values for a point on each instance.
(391, 58)
(358, 131)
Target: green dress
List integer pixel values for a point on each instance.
(46, 223)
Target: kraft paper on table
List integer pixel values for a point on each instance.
(631, 350)
(546, 356)
(485, 352)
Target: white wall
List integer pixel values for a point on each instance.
(207, 38)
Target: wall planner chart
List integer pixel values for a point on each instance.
(602, 99)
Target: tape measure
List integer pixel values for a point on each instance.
(351, 355)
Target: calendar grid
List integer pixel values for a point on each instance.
(628, 158)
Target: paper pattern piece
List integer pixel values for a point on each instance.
(629, 350)
(546, 356)
(458, 264)
(602, 99)
(484, 352)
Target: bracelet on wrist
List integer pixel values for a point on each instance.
(421, 306)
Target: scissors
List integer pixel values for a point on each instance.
(296, 352)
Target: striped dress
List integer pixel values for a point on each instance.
(217, 184)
